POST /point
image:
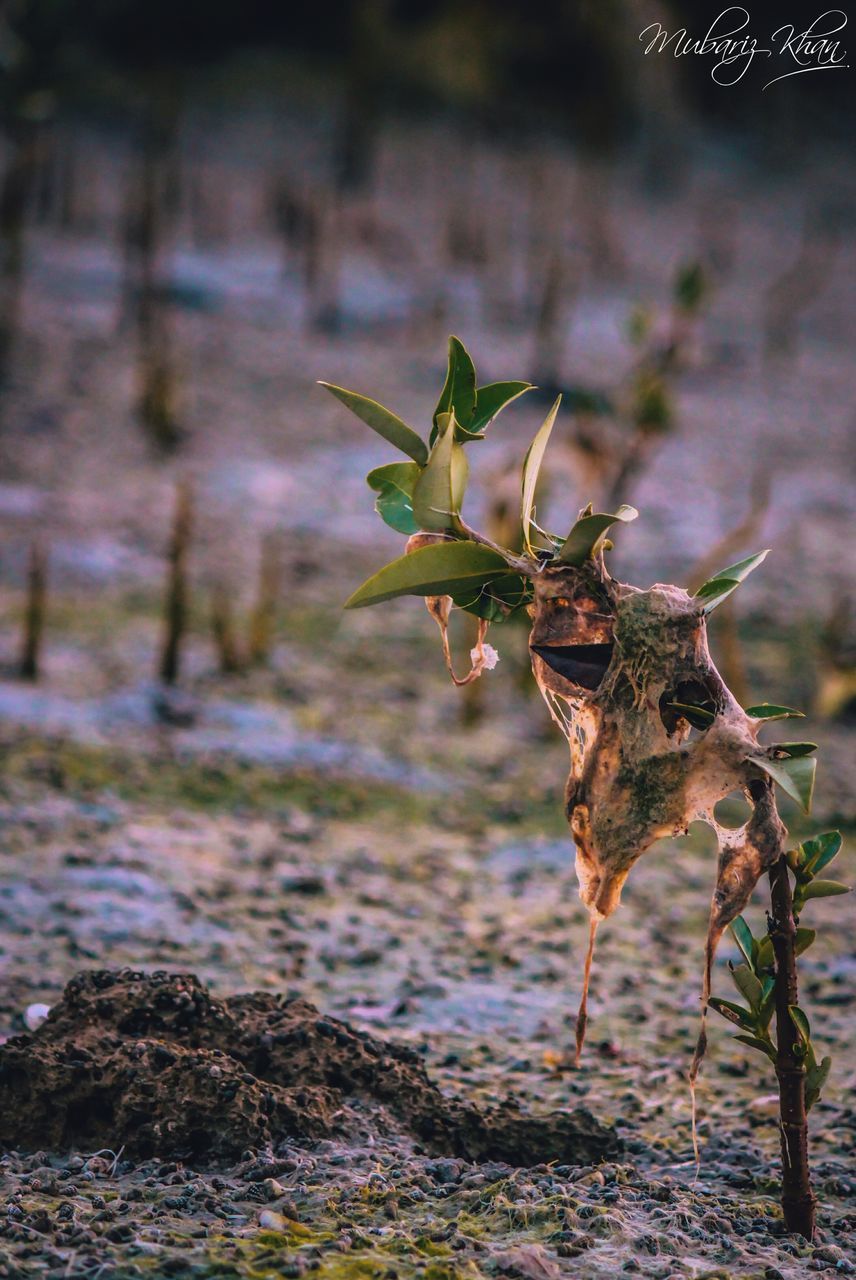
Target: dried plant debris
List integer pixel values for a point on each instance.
(656, 737)
(154, 1064)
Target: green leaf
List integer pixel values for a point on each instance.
(755, 1042)
(819, 851)
(463, 436)
(587, 532)
(698, 717)
(770, 711)
(492, 398)
(531, 468)
(824, 889)
(768, 1003)
(721, 585)
(638, 325)
(497, 599)
(748, 985)
(652, 408)
(394, 484)
(801, 1023)
(439, 491)
(765, 956)
(795, 749)
(815, 1078)
(446, 568)
(733, 1012)
(795, 777)
(743, 937)
(803, 940)
(715, 591)
(459, 390)
(386, 424)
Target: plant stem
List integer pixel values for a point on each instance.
(798, 1199)
(34, 615)
(176, 599)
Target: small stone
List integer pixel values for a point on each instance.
(121, 1233)
(34, 1015)
(828, 1253)
(270, 1220)
(765, 1104)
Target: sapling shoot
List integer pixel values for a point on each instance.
(656, 737)
(34, 612)
(223, 629)
(175, 604)
(263, 616)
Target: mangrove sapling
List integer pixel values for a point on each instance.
(34, 612)
(616, 430)
(726, 632)
(175, 606)
(803, 281)
(263, 616)
(223, 630)
(835, 695)
(656, 737)
(149, 213)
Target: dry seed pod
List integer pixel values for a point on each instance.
(483, 657)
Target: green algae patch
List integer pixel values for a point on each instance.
(344, 1266)
(218, 784)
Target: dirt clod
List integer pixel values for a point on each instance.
(154, 1064)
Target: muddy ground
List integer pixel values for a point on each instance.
(433, 918)
(342, 828)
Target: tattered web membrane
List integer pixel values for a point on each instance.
(639, 771)
(620, 671)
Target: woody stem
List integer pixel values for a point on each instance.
(798, 1199)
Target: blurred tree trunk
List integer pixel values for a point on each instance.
(223, 630)
(151, 205)
(34, 612)
(177, 591)
(363, 80)
(263, 616)
(15, 192)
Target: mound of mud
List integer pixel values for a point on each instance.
(153, 1063)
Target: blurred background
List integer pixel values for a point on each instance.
(206, 207)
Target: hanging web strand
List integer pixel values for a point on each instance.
(554, 706)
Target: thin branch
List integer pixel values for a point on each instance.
(522, 564)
